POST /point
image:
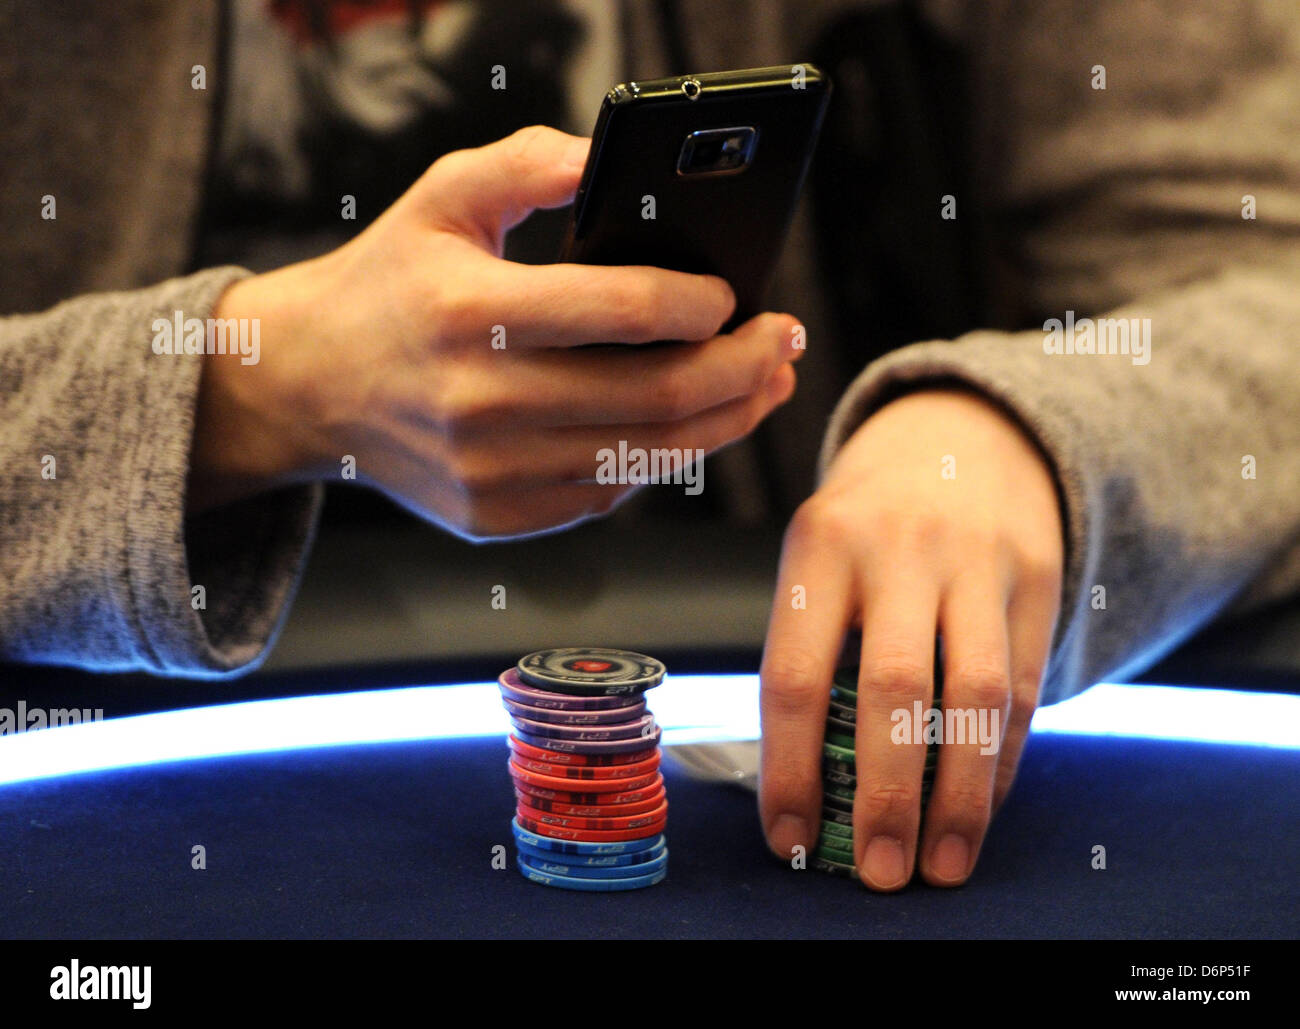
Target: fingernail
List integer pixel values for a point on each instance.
(951, 858)
(883, 863)
(788, 832)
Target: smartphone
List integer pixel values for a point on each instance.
(700, 173)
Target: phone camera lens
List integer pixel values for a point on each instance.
(691, 88)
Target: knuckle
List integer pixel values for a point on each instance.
(897, 675)
(889, 801)
(477, 477)
(984, 686)
(675, 396)
(1040, 574)
(463, 414)
(524, 144)
(825, 521)
(633, 309)
(459, 316)
(791, 680)
(918, 531)
(466, 404)
(967, 795)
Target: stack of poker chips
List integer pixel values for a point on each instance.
(834, 851)
(584, 757)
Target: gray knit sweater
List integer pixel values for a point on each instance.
(1127, 198)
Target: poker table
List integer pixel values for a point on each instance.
(397, 840)
(396, 837)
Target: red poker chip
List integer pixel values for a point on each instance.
(551, 782)
(561, 832)
(604, 799)
(557, 757)
(577, 760)
(582, 772)
(560, 807)
(637, 821)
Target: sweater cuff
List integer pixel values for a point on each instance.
(211, 591)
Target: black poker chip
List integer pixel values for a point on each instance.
(590, 671)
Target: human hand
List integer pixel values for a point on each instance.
(455, 378)
(892, 544)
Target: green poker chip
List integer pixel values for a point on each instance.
(834, 790)
(837, 753)
(824, 850)
(839, 778)
(844, 832)
(846, 697)
(830, 842)
(840, 740)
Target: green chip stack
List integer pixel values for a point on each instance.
(834, 852)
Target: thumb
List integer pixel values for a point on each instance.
(488, 190)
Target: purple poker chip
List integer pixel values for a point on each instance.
(514, 688)
(636, 729)
(550, 717)
(591, 746)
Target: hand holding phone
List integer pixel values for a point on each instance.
(700, 173)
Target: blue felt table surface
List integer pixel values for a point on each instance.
(396, 840)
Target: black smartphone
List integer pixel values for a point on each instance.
(700, 173)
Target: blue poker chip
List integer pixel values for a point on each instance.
(569, 882)
(640, 857)
(555, 867)
(547, 843)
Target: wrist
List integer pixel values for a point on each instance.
(248, 432)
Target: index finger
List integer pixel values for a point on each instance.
(809, 617)
(563, 305)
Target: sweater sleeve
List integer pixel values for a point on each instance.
(99, 565)
(1180, 476)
